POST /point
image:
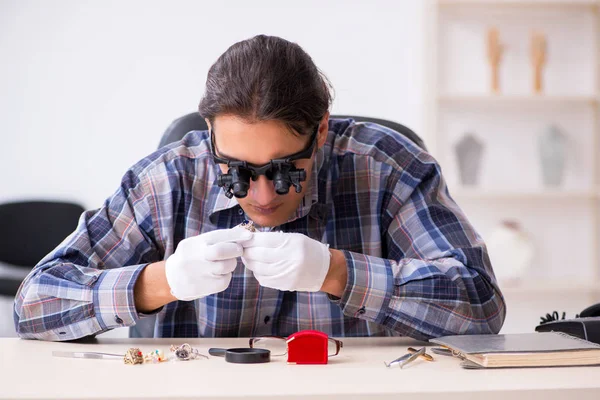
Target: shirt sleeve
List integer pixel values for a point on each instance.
(436, 278)
(85, 286)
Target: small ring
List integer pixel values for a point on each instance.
(155, 357)
(186, 352)
(248, 225)
(133, 356)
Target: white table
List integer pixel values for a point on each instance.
(29, 371)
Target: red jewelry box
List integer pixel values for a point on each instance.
(307, 347)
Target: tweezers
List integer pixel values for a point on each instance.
(88, 354)
(407, 358)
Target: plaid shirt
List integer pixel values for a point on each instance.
(416, 266)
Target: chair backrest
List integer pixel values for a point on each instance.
(389, 124)
(194, 122)
(29, 230)
(182, 125)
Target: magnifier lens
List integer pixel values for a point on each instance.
(281, 187)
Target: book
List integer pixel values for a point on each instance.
(545, 349)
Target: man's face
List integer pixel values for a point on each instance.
(258, 143)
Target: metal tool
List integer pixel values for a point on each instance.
(88, 354)
(424, 356)
(406, 359)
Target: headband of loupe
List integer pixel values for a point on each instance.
(281, 171)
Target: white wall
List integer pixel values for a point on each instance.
(88, 87)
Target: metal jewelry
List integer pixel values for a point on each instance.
(133, 356)
(248, 225)
(186, 352)
(155, 357)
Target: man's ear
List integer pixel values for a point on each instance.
(208, 123)
(323, 130)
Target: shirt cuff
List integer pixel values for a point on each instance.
(114, 303)
(369, 287)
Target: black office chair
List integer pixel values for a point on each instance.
(29, 230)
(195, 122)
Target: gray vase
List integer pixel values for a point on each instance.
(553, 152)
(468, 156)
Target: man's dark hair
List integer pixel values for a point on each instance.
(267, 78)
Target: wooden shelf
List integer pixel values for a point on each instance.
(522, 3)
(552, 288)
(543, 194)
(520, 99)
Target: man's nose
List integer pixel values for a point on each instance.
(262, 191)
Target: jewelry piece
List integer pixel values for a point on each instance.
(133, 356)
(249, 225)
(155, 357)
(186, 352)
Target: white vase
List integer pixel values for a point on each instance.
(553, 149)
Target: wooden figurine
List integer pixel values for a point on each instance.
(494, 51)
(538, 59)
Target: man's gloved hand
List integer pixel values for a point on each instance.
(287, 261)
(203, 264)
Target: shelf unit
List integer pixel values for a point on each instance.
(523, 100)
(458, 26)
(540, 195)
(521, 3)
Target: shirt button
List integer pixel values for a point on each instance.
(267, 319)
(118, 320)
(240, 211)
(361, 310)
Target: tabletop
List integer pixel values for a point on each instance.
(28, 370)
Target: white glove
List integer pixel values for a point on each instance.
(287, 261)
(203, 264)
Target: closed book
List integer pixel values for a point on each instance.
(545, 349)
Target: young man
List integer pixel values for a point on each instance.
(357, 234)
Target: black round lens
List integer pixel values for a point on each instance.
(240, 189)
(281, 186)
(240, 180)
